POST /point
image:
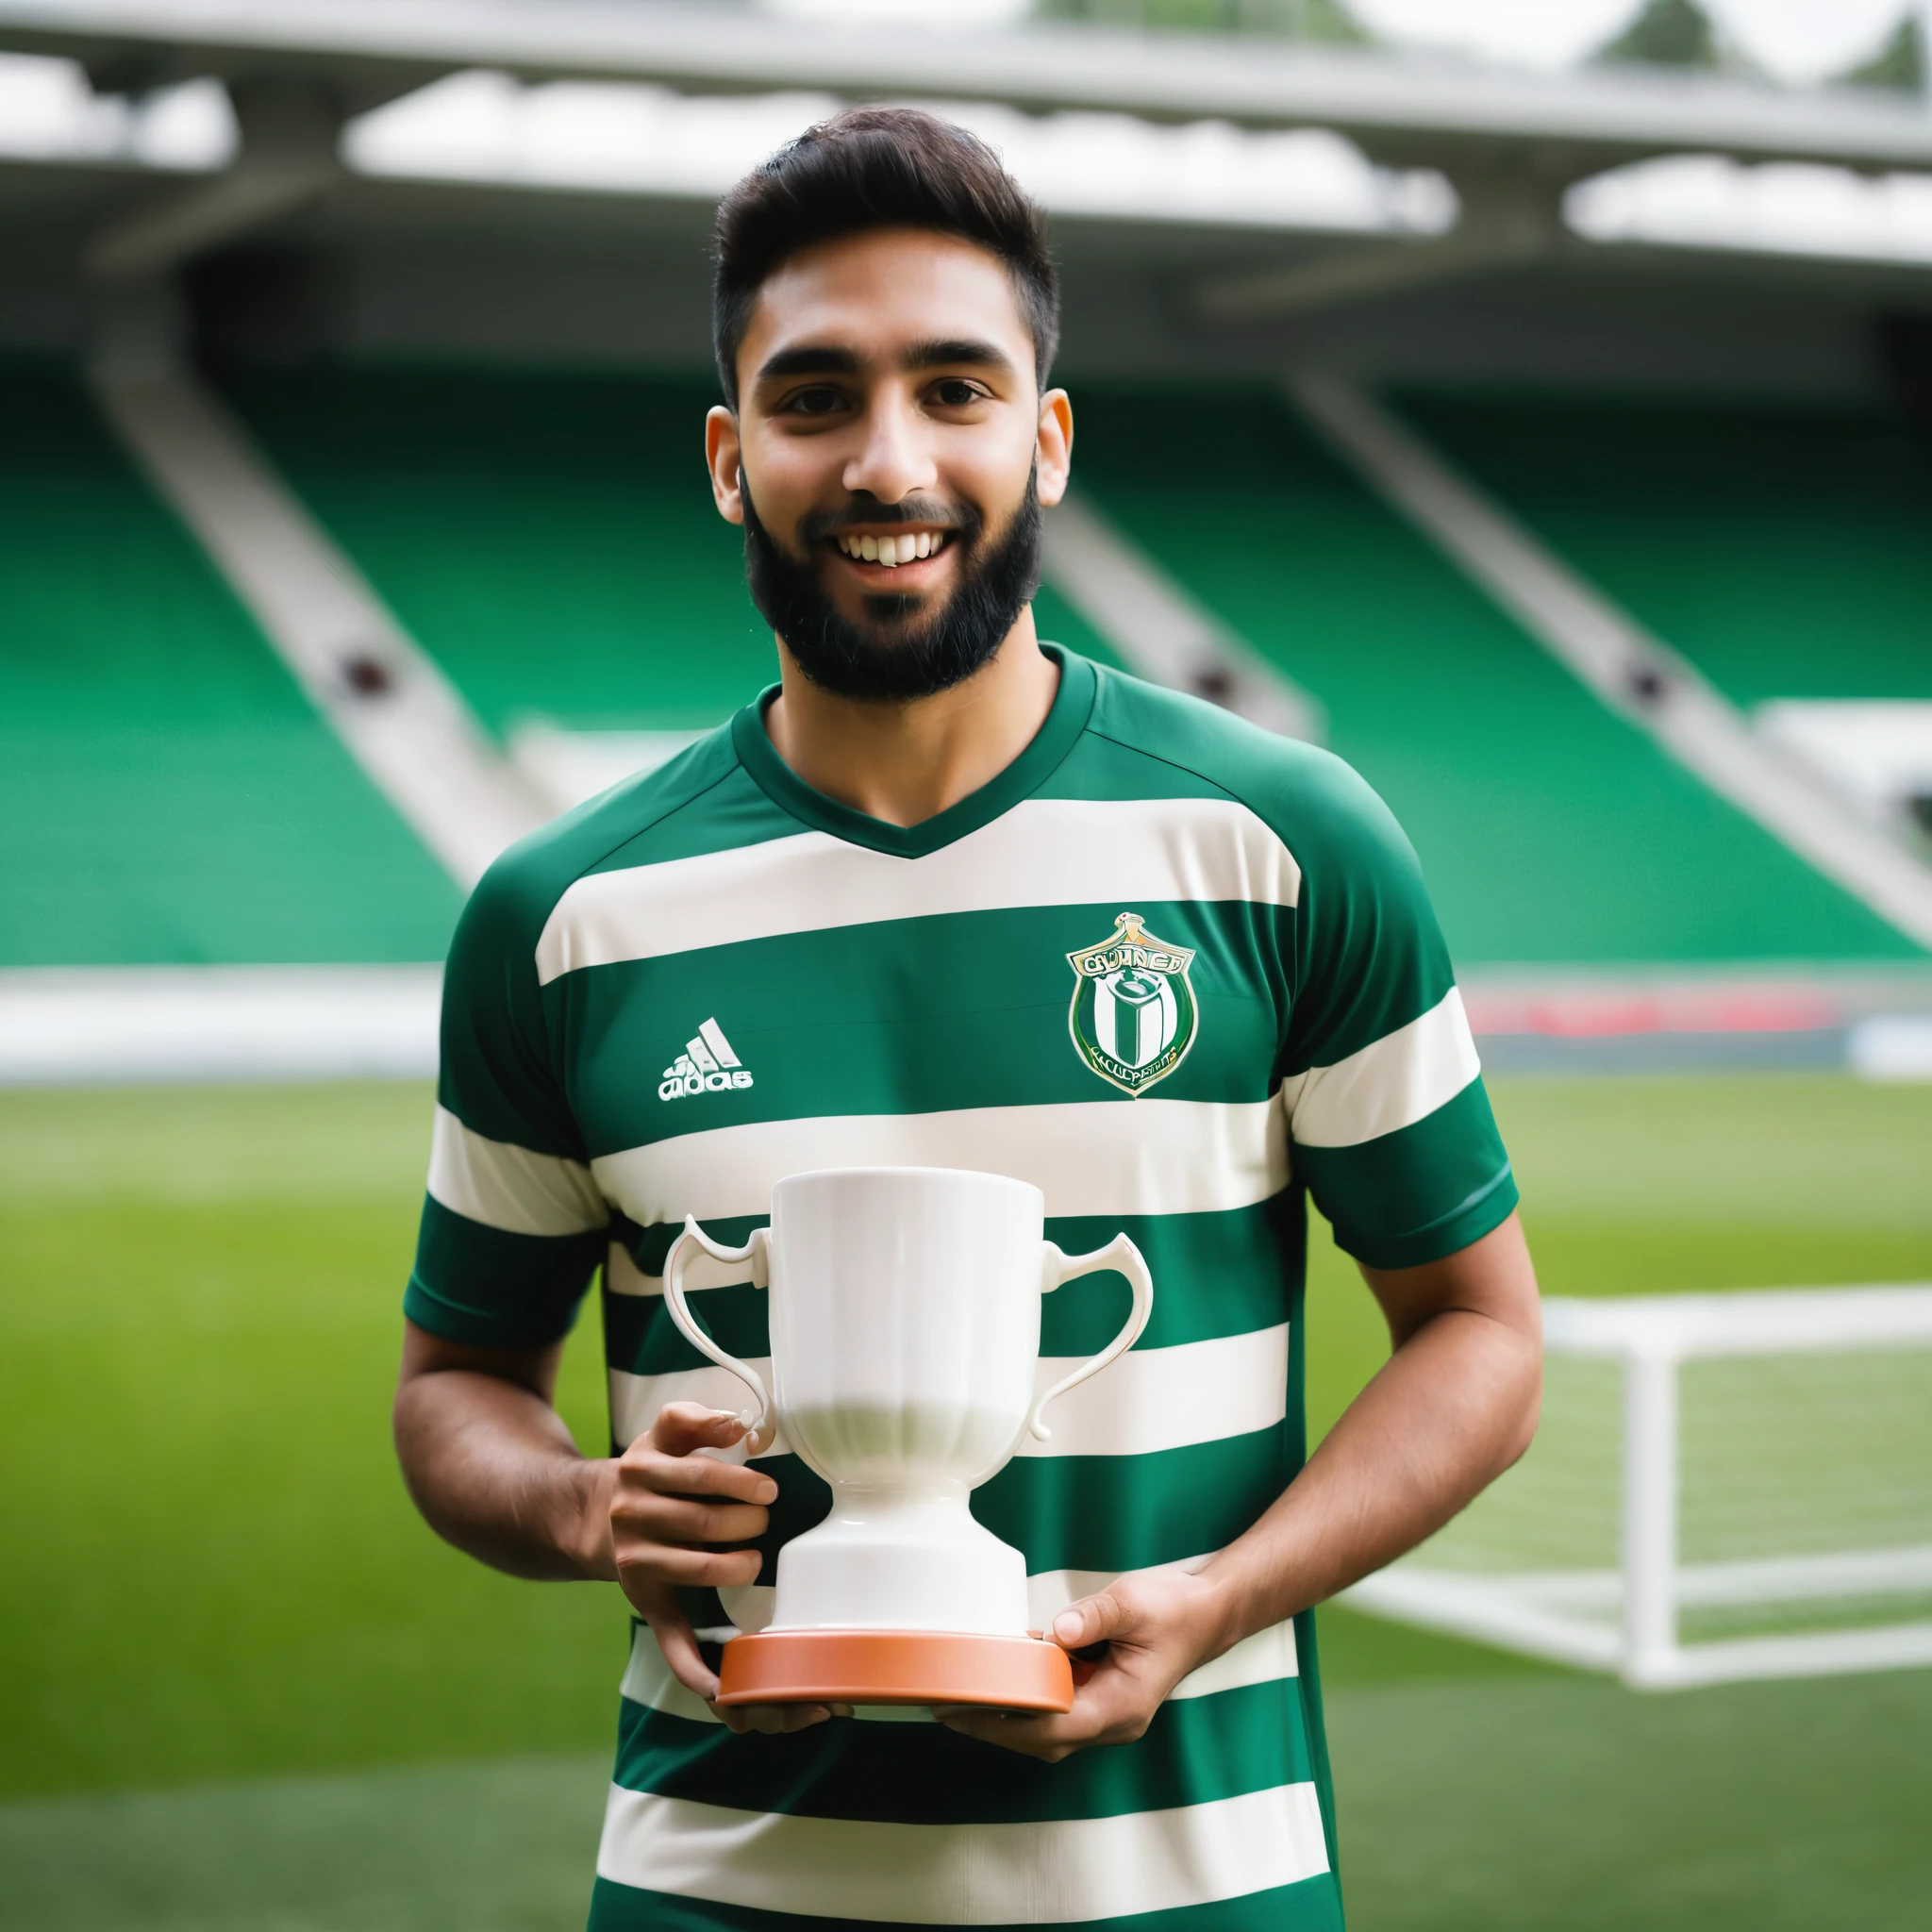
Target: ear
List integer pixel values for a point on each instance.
(1055, 449)
(723, 454)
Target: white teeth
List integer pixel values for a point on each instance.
(894, 551)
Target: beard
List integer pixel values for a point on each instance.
(906, 650)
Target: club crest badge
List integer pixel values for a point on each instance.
(1133, 1016)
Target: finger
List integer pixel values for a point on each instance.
(1049, 1738)
(679, 1643)
(1112, 1707)
(642, 1564)
(685, 1520)
(684, 1426)
(1093, 1620)
(773, 1720)
(644, 1466)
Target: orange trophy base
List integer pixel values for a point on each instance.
(895, 1667)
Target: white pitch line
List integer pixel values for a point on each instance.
(114, 1026)
(1634, 672)
(400, 718)
(1161, 630)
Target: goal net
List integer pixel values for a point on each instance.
(1722, 1486)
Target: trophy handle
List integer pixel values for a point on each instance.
(764, 1427)
(1118, 1253)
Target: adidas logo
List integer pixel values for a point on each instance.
(706, 1065)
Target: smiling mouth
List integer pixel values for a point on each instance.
(908, 546)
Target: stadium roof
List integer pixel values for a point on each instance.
(1411, 111)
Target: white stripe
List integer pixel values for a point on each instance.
(1689, 719)
(1266, 1658)
(1043, 852)
(1152, 1399)
(624, 1276)
(1149, 1400)
(1390, 1084)
(1102, 1156)
(509, 1187)
(1050, 1873)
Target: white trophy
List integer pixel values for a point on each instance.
(905, 1322)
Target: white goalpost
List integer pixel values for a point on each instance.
(1724, 1487)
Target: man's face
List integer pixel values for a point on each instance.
(885, 458)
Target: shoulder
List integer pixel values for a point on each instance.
(516, 896)
(1320, 806)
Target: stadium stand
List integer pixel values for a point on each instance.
(547, 535)
(1551, 830)
(1782, 546)
(167, 795)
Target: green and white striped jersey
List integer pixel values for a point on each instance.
(1177, 972)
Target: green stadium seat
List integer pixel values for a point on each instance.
(1551, 831)
(167, 794)
(548, 535)
(1784, 547)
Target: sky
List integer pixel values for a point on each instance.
(1794, 41)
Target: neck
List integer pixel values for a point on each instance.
(905, 763)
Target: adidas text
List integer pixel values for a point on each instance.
(706, 1065)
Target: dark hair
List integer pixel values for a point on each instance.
(876, 168)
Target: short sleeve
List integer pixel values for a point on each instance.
(1388, 1125)
(513, 1225)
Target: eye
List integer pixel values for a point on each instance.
(955, 393)
(821, 399)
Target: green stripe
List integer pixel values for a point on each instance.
(1313, 1906)
(1090, 1512)
(1417, 1194)
(1214, 1274)
(913, 1016)
(488, 1289)
(1196, 1750)
(1125, 1512)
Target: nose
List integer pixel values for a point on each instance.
(892, 461)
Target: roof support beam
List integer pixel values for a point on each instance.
(289, 134)
(1506, 217)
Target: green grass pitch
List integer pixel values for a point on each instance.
(244, 1687)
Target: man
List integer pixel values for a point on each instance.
(844, 930)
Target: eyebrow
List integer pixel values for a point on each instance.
(828, 358)
(810, 359)
(939, 355)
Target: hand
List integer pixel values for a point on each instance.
(667, 1504)
(1158, 1626)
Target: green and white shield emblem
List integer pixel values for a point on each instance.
(1133, 1016)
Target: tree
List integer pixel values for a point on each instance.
(1666, 33)
(1899, 64)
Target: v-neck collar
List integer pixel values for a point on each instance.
(1071, 704)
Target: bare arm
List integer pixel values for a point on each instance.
(494, 1470)
(1454, 1407)
(490, 1464)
